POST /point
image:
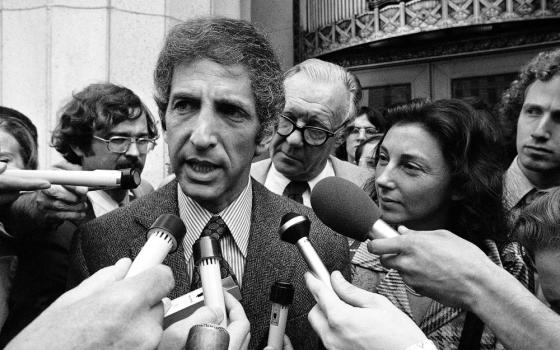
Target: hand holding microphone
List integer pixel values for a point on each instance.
(348, 317)
(348, 210)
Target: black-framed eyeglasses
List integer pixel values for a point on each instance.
(312, 135)
(121, 144)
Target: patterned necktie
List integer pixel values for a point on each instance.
(295, 190)
(217, 229)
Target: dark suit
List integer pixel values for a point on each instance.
(122, 233)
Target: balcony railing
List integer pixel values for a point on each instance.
(330, 25)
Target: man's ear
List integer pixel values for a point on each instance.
(263, 145)
(339, 139)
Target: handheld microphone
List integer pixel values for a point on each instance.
(281, 296)
(161, 239)
(126, 178)
(348, 210)
(294, 228)
(207, 256)
(207, 336)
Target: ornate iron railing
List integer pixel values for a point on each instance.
(330, 25)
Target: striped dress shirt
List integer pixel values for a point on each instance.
(237, 217)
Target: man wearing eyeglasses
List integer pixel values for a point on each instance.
(103, 126)
(321, 100)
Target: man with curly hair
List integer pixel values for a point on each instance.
(532, 108)
(103, 126)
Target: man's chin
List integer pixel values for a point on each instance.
(539, 164)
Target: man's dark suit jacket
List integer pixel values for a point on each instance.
(122, 233)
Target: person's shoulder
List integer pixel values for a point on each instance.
(259, 169)
(121, 218)
(350, 172)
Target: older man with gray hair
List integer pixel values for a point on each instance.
(321, 99)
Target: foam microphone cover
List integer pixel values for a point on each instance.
(344, 207)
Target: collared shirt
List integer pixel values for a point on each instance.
(276, 182)
(102, 202)
(237, 217)
(519, 191)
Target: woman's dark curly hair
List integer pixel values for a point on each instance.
(542, 67)
(25, 133)
(98, 107)
(469, 145)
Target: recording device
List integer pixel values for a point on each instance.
(161, 239)
(294, 228)
(348, 210)
(125, 179)
(207, 256)
(207, 336)
(281, 296)
(185, 305)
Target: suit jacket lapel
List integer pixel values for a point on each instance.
(265, 263)
(163, 201)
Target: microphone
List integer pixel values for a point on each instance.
(161, 239)
(126, 178)
(294, 228)
(281, 296)
(207, 255)
(207, 336)
(348, 210)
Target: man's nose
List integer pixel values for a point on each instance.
(361, 134)
(295, 138)
(543, 127)
(133, 150)
(203, 136)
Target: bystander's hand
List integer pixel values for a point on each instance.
(352, 318)
(103, 312)
(11, 186)
(437, 264)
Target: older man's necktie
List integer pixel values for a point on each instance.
(217, 229)
(295, 190)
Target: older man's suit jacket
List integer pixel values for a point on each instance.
(345, 170)
(122, 232)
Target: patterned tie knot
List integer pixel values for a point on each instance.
(215, 228)
(295, 190)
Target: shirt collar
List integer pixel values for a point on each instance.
(237, 217)
(102, 202)
(281, 181)
(517, 185)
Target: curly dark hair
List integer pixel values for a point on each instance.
(468, 143)
(538, 226)
(98, 107)
(542, 67)
(227, 42)
(22, 129)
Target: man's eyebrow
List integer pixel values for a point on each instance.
(531, 105)
(233, 101)
(126, 134)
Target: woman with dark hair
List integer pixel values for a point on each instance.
(436, 168)
(369, 122)
(18, 149)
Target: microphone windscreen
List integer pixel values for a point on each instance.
(344, 207)
(293, 227)
(207, 336)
